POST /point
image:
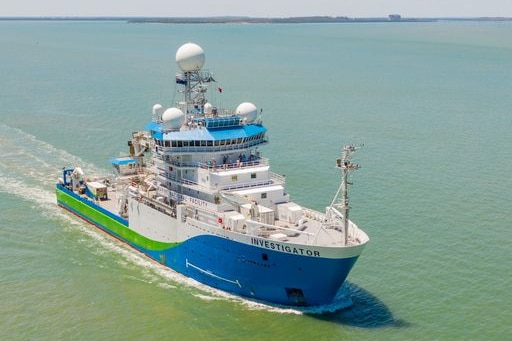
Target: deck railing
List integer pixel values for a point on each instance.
(230, 166)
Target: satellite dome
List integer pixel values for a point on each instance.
(190, 57)
(247, 111)
(208, 108)
(174, 118)
(158, 110)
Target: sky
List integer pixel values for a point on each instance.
(257, 8)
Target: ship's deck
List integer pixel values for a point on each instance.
(310, 230)
(112, 203)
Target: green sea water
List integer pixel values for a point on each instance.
(430, 102)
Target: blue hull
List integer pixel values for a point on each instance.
(258, 273)
(242, 269)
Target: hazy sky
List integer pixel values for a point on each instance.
(256, 8)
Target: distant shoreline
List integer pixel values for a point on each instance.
(253, 20)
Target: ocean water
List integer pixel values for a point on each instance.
(430, 102)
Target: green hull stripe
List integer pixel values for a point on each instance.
(113, 226)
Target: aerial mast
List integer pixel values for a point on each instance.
(190, 59)
(340, 204)
(346, 167)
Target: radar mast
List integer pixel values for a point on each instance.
(340, 205)
(190, 59)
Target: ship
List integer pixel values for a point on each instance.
(194, 193)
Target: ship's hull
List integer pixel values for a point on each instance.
(255, 270)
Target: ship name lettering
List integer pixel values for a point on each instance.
(284, 248)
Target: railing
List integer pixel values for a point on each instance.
(240, 185)
(278, 178)
(217, 167)
(274, 178)
(189, 182)
(207, 219)
(246, 185)
(168, 176)
(229, 166)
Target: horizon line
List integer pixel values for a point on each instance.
(121, 17)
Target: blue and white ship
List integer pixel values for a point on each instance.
(195, 194)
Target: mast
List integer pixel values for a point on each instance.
(190, 58)
(195, 83)
(346, 166)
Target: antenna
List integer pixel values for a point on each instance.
(346, 166)
(190, 58)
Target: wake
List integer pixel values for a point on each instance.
(29, 169)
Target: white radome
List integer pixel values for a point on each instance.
(158, 110)
(190, 57)
(173, 118)
(247, 111)
(208, 107)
